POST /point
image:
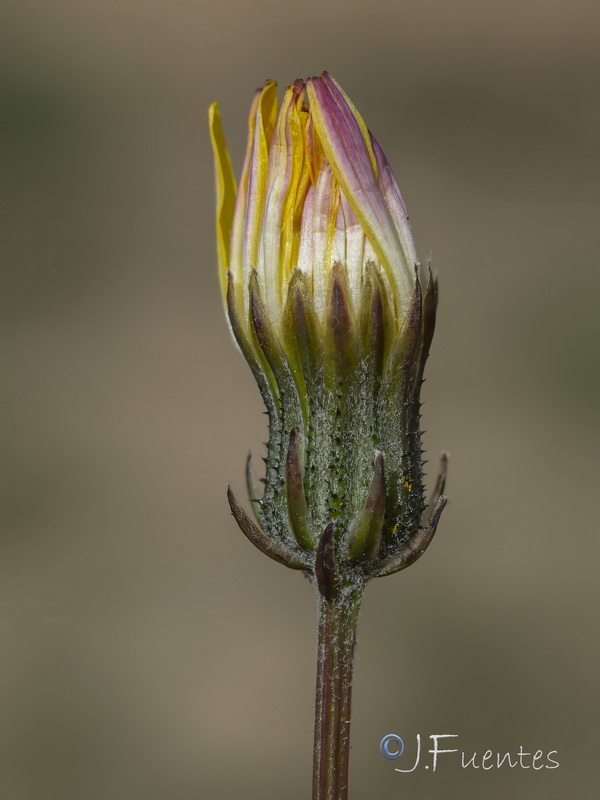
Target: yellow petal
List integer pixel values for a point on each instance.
(286, 158)
(292, 214)
(240, 283)
(226, 190)
(266, 115)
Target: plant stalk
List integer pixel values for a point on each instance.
(335, 660)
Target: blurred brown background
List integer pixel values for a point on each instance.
(148, 651)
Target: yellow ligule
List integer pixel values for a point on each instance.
(333, 212)
(226, 190)
(292, 211)
(314, 151)
(237, 232)
(266, 116)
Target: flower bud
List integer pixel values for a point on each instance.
(334, 314)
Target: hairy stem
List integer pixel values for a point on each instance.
(335, 660)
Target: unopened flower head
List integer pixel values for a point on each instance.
(330, 307)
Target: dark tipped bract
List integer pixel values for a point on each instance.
(343, 494)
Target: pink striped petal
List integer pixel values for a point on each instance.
(341, 136)
(396, 205)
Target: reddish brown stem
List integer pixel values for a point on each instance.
(337, 637)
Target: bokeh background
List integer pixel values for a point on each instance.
(148, 650)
